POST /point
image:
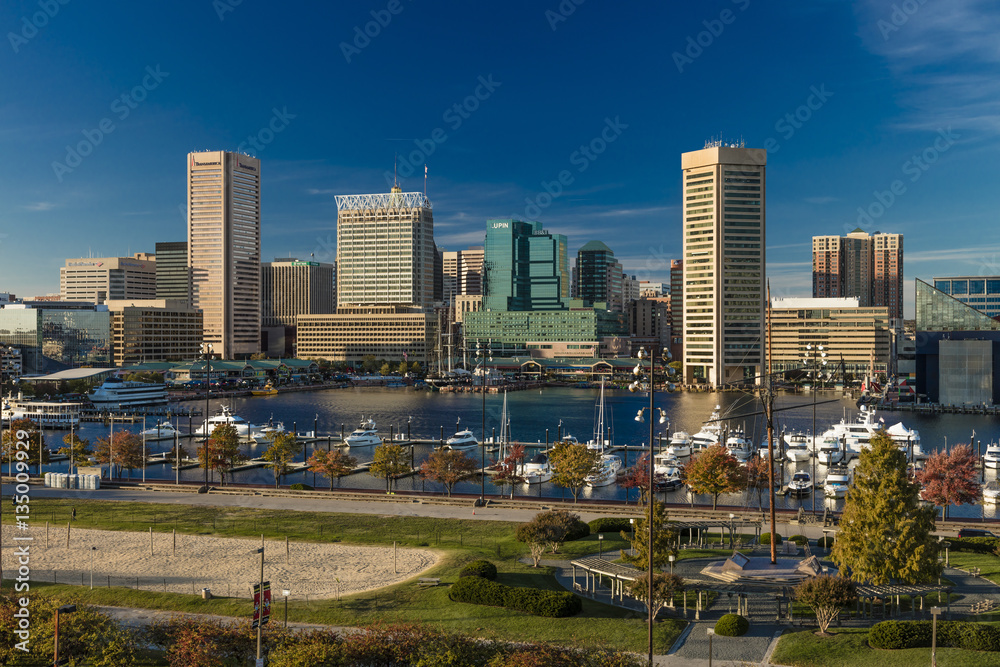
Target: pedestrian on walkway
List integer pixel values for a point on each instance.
(73, 514)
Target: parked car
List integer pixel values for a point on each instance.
(974, 532)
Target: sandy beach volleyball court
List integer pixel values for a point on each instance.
(227, 566)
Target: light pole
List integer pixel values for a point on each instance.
(711, 633)
(92, 550)
(285, 594)
(671, 558)
(812, 356)
(483, 354)
(632, 524)
(600, 545)
(260, 621)
(665, 354)
(65, 609)
(206, 350)
(934, 614)
(732, 525)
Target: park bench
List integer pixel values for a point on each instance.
(428, 581)
(984, 606)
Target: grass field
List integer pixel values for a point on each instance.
(458, 541)
(849, 648)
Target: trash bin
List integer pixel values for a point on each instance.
(206, 594)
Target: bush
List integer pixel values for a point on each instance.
(299, 486)
(732, 625)
(800, 540)
(479, 568)
(554, 604)
(894, 635)
(610, 524)
(979, 545)
(577, 530)
(825, 542)
(765, 538)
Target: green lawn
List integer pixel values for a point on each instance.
(459, 541)
(988, 564)
(849, 648)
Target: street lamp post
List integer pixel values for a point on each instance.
(600, 545)
(206, 350)
(671, 558)
(632, 524)
(92, 550)
(934, 614)
(285, 594)
(665, 354)
(812, 356)
(260, 622)
(482, 355)
(711, 633)
(732, 525)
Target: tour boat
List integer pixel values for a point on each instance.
(243, 427)
(364, 435)
(801, 484)
(116, 394)
(47, 414)
(266, 390)
(680, 444)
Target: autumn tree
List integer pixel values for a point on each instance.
(386, 369)
(571, 464)
(448, 467)
(885, 532)
(389, 460)
(509, 469)
(637, 477)
(223, 450)
(76, 447)
(121, 450)
(333, 464)
(24, 430)
(665, 585)
(951, 479)
(663, 538)
(280, 454)
(714, 471)
(827, 595)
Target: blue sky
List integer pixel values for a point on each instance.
(844, 94)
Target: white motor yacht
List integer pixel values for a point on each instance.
(764, 453)
(364, 435)
(830, 452)
(461, 441)
(857, 434)
(680, 444)
(837, 482)
(711, 433)
(537, 470)
(667, 472)
(991, 492)
(163, 430)
(798, 447)
(243, 427)
(607, 471)
(801, 484)
(992, 456)
(739, 445)
(265, 434)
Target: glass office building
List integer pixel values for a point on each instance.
(940, 310)
(979, 292)
(508, 332)
(56, 338)
(526, 268)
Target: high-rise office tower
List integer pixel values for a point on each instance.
(173, 276)
(290, 287)
(598, 277)
(224, 249)
(463, 272)
(385, 249)
(862, 265)
(98, 279)
(525, 267)
(677, 309)
(724, 221)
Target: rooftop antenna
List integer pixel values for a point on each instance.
(425, 180)
(395, 179)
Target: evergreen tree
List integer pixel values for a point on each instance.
(663, 537)
(885, 532)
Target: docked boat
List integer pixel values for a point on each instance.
(764, 453)
(830, 452)
(364, 435)
(47, 414)
(602, 437)
(462, 441)
(243, 427)
(711, 433)
(801, 484)
(857, 435)
(537, 470)
(680, 444)
(607, 471)
(739, 445)
(838, 480)
(991, 492)
(992, 456)
(163, 430)
(798, 447)
(265, 434)
(115, 394)
(266, 390)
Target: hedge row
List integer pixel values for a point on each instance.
(609, 524)
(476, 590)
(979, 545)
(917, 634)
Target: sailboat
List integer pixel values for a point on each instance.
(608, 465)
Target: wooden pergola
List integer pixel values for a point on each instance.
(869, 594)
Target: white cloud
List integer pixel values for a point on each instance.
(40, 206)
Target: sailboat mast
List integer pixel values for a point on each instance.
(769, 416)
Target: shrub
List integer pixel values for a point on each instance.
(610, 524)
(765, 538)
(800, 540)
(479, 568)
(917, 634)
(979, 545)
(554, 604)
(299, 486)
(825, 542)
(732, 625)
(899, 634)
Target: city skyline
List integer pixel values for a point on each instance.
(892, 135)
